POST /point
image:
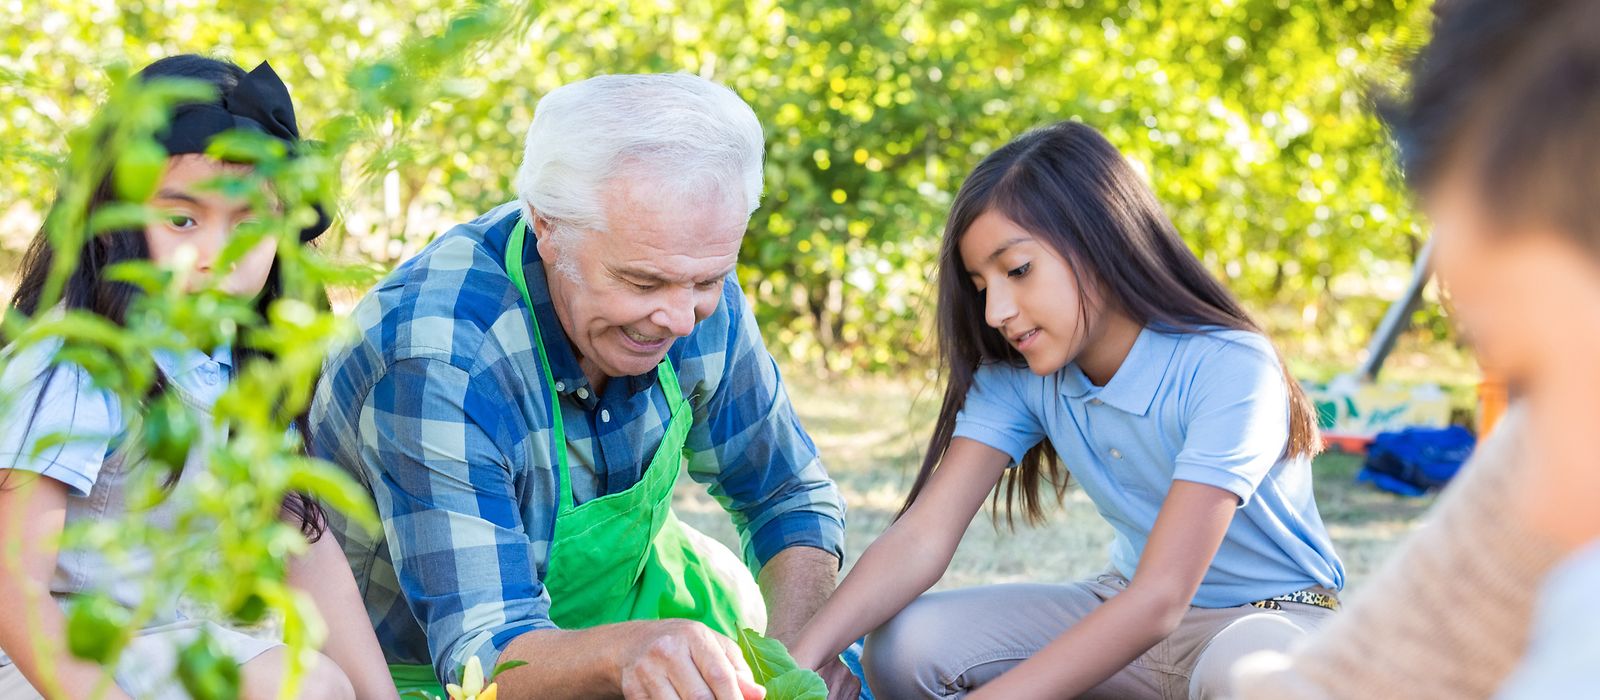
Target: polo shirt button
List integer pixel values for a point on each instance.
(561, 386)
(583, 393)
(1095, 402)
(605, 416)
(1116, 453)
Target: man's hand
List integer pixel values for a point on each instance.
(842, 684)
(684, 659)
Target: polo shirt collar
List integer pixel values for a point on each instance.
(1133, 388)
(175, 364)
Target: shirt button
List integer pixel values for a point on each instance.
(583, 393)
(1116, 453)
(605, 416)
(1095, 402)
(561, 386)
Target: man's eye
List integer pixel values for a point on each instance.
(710, 284)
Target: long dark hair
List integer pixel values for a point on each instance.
(1070, 187)
(89, 288)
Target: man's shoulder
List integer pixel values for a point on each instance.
(446, 299)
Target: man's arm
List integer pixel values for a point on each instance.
(795, 584)
(444, 458)
(765, 471)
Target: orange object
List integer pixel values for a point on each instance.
(1348, 443)
(1492, 398)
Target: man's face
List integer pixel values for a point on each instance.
(623, 295)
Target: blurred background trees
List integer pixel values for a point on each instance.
(1251, 118)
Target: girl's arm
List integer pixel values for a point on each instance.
(324, 574)
(33, 630)
(1192, 523)
(909, 557)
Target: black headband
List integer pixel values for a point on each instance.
(259, 102)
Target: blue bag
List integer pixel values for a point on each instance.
(1414, 461)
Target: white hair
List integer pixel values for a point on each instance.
(686, 135)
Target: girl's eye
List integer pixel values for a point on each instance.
(180, 221)
(1020, 270)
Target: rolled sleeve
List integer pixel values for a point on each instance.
(467, 566)
(1238, 421)
(56, 422)
(748, 445)
(996, 415)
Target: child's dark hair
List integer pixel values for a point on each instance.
(89, 288)
(1508, 94)
(1070, 187)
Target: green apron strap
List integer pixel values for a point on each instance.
(625, 555)
(514, 269)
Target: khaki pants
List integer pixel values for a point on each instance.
(946, 644)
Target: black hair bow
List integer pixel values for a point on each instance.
(259, 102)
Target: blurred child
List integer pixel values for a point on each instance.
(1500, 138)
(46, 485)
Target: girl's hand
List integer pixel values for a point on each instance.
(842, 684)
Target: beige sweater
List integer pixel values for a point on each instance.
(1446, 617)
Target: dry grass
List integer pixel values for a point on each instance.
(871, 433)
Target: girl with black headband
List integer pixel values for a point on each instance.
(47, 483)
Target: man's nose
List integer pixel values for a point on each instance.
(676, 313)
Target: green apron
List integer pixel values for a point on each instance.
(622, 556)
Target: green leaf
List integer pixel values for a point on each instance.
(207, 671)
(169, 432)
(777, 671)
(799, 684)
(242, 146)
(97, 628)
(326, 483)
(507, 666)
(138, 170)
(118, 216)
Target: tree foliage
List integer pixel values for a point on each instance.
(1250, 117)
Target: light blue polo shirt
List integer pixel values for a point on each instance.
(1209, 407)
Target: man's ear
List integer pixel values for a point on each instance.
(539, 226)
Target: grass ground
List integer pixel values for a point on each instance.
(871, 433)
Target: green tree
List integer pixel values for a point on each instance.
(1250, 117)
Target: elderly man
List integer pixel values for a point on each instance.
(524, 394)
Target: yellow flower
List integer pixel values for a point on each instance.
(471, 687)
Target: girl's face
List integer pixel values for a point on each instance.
(202, 220)
(1028, 291)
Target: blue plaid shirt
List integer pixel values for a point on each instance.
(440, 409)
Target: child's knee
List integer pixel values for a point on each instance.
(322, 679)
(900, 656)
(326, 681)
